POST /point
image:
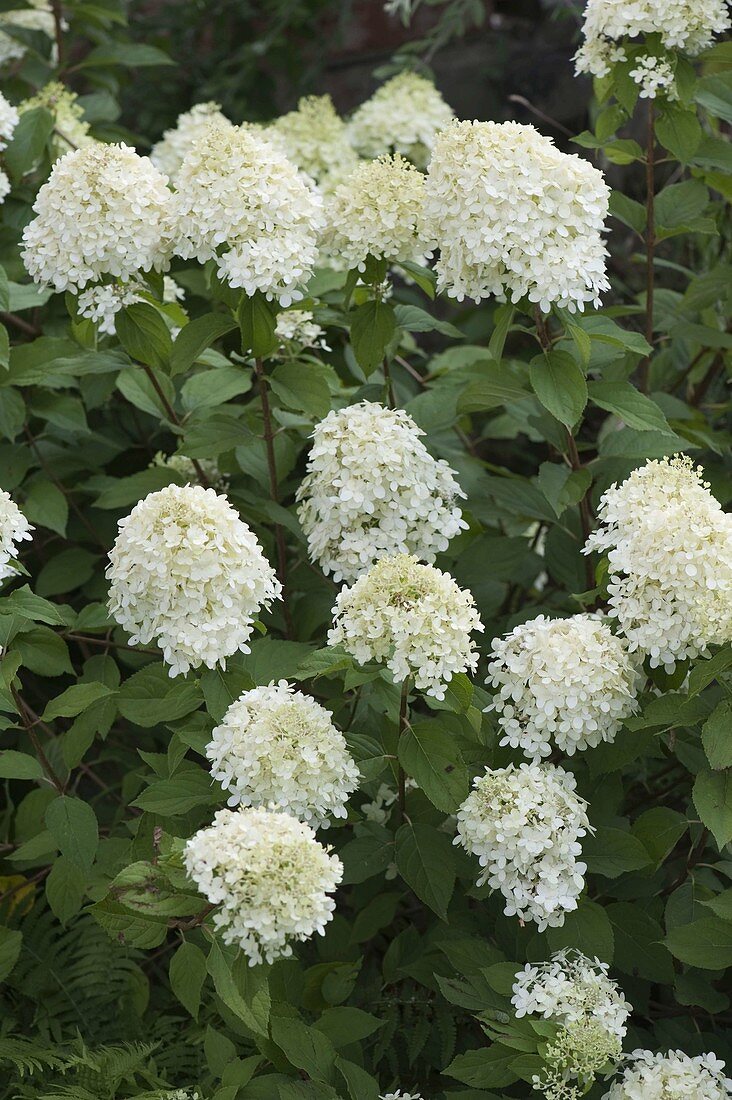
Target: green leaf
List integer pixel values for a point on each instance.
(24, 602)
(428, 753)
(717, 736)
(65, 889)
(305, 1047)
(361, 1085)
(127, 927)
(712, 796)
(560, 385)
(414, 319)
(257, 319)
(679, 131)
(706, 943)
(28, 142)
(253, 1009)
(131, 55)
(659, 830)
(586, 928)
(714, 93)
(628, 211)
(707, 670)
(151, 697)
(372, 326)
(195, 337)
(424, 277)
(426, 861)
(500, 385)
(144, 335)
(19, 765)
(612, 852)
(172, 797)
(46, 506)
(639, 949)
(129, 490)
(628, 403)
(75, 700)
(73, 825)
(302, 386)
(10, 944)
(681, 203)
(187, 973)
(487, 1067)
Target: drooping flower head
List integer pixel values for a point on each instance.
(373, 490)
(187, 572)
(525, 825)
(70, 130)
(564, 682)
(240, 201)
(170, 152)
(269, 877)
(9, 118)
(516, 217)
(315, 138)
(669, 547)
(377, 211)
(104, 210)
(277, 748)
(403, 116)
(672, 1076)
(14, 528)
(576, 993)
(413, 617)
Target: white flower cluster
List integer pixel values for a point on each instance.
(187, 572)
(184, 465)
(525, 824)
(14, 527)
(378, 211)
(296, 329)
(104, 210)
(411, 616)
(267, 243)
(688, 25)
(9, 118)
(669, 547)
(269, 877)
(403, 116)
(672, 1076)
(36, 17)
(373, 490)
(70, 129)
(568, 682)
(654, 74)
(516, 217)
(399, 1095)
(102, 303)
(170, 152)
(315, 138)
(279, 749)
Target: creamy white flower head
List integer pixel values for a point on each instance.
(267, 243)
(669, 547)
(399, 1095)
(688, 25)
(102, 303)
(184, 465)
(9, 118)
(525, 824)
(14, 527)
(297, 330)
(172, 292)
(403, 116)
(516, 217)
(413, 617)
(70, 129)
(36, 17)
(170, 152)
(373, 490)
(5, 185)
(269, 877)
(315, 138)
(378, 211)
(564, 682)
(672, 1076)
(187, 572)
(278, 748)
(104, 210)
(655, 75)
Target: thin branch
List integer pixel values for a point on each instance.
(173, 417)
(25, 714)
(540, 114)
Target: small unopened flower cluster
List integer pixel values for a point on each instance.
(688, 25)
(315, 138)
(568, 682)
(267, 243)
(669, 547)
(9, 118)
(655, 75)
(37, 16)
(516, 217)
(378, 211)
(184, 465)
(411, 616)
(403, 116)
(170, 152)
(279, 749)
(187, 572)
(672, 1076)
(525, 824)
(104, 210)
(575, 992)
(373, 490)
(14, 528)
(70, 130)
(269, 877)
(297, 330)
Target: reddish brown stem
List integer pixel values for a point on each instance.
(25, 716)
(173, 417)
